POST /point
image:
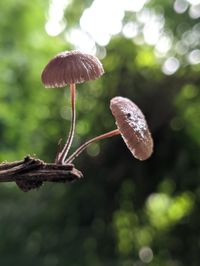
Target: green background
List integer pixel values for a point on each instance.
(124, 211)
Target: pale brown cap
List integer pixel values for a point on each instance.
(133, 127)
(71, 67)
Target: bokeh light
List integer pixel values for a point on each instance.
(146, 254)
(180, 6)
(170, 66)
(55, 23)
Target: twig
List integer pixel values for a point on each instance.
(31, 173)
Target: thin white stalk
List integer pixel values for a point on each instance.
(63, 154)
(84, 146)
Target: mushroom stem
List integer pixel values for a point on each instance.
(87, 143)
(62, 155)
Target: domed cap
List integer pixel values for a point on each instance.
(71, 67)
(133, 127)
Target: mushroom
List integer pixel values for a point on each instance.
(70, 67)
(131, 125)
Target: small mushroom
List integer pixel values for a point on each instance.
(70, 67)
(131, 125)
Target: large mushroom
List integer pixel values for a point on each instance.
(70, 67)
(131, 125)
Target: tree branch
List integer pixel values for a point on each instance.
(31, 173)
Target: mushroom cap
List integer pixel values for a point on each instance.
(71, 67)
(133, 127)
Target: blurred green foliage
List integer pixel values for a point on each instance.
(124, 212)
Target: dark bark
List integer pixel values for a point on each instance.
(31, 173)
